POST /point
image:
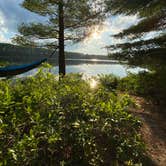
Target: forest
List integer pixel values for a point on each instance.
(104, 120)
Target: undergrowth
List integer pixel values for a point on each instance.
(44, 121)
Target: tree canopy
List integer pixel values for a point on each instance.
(152, 12)
(67, 20)
(153, 19)
(79, 16)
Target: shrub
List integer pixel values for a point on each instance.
(44, 121)
(149, 85)
(109, 81)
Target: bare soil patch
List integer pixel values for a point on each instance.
(153, 129)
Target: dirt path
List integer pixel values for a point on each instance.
(153, 129)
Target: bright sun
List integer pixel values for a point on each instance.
(95, 32)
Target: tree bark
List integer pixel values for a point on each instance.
(62, 66)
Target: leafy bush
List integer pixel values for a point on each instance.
(44, 121)
(150, 85)
(109, 82)
(4, 63)
(146, 84)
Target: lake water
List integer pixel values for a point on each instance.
(92, 68)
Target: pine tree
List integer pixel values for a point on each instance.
(139, 51)
(153, 15)
(67, 20)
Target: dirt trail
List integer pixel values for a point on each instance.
(153, 129)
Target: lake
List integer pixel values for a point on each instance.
(91, 67)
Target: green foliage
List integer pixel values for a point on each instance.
(4, 63)
(159, 41)
(154, 23)
(140, 84)
(152, 12)
(109, 82)
(150, 85)
(149, 54)
(23, 41)
(78, 17)
(44, 121)
(152, 16)
(128, 6)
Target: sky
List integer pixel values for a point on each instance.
(12, 15)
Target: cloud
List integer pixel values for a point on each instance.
(3, 29)
(12, 15)
(152, 34)
(120, 22)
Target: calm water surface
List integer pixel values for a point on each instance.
(92, 68)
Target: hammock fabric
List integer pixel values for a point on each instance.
(15, 70)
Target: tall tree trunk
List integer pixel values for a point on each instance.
(62, 69)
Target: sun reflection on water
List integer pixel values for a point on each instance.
(93, 83)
